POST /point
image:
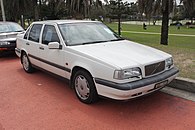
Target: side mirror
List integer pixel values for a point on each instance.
(54, 45)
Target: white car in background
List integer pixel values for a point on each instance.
(8, 33)
(95, 60)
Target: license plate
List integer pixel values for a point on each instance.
(161, 84)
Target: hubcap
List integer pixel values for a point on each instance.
(25, 62)
(82, 87)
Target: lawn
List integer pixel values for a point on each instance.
(181, 47)
(151, 28)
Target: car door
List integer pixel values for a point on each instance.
(32, 43)
(53, 59)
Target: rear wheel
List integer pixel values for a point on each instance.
(26, 63)
(84, 87)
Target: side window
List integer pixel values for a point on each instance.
(49, 35)
(26, 34)
(35, 32)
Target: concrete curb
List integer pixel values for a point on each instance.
(183, 84)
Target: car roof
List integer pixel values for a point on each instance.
(64, 21)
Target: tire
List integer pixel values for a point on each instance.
(84, 87)
(27, 66)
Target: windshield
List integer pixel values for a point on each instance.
(10, 27)
(87, 33)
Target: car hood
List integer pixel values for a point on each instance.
(9, 36)
(122, 54)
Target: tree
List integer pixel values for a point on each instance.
(165, 22)
(53, 9)
(166, 7)
(117, 9)
(35, 4)
(15, 8)
(179, 13)
(146, 7)
(81, 8)
(189, 7)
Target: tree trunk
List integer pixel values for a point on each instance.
(36, 13)
(119, 25)
(119, 18)
(165, 22)
(191, 20)
(40, 10)
(36, 9)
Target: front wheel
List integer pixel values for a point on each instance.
(84, 87)
(26, 63)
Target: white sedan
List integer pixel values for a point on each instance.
(8, 33)
(95, 60)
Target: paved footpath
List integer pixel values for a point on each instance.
(39, 101)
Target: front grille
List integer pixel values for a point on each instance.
(12, 42)
(3, 37)
(154, 68)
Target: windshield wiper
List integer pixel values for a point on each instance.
(102, 41)
(119, 39)
(93, 42)
(19, 31)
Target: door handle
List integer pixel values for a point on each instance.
(42, 48)
(27, 43)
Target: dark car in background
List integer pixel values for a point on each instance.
(8, 33)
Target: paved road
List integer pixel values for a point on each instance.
(39, 101)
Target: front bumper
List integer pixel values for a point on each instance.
(134, 89)
(11, 46)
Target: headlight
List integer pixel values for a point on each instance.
(4, 43)
(127, 73)
(169, 62)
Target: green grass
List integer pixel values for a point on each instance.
(182, 48)
(155, 29)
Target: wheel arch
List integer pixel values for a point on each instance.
(22, 52)
(75, 69)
